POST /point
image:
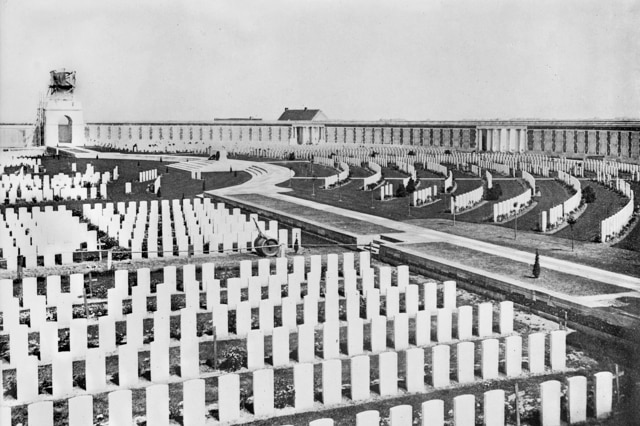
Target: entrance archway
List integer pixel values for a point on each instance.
(64, 129)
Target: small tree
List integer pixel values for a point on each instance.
(588, 195)
(571, 221)
(401, 191)
(411, 186)
(536, 265)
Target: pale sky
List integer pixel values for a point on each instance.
(356, 60)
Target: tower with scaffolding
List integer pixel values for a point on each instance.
(60, 120)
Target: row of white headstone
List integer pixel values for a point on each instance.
(424, 195)
(496, 167)
(48, 233)
(147, 175)
(512, 206)
(29, 158)
(432, 412)
(206, 223)
(355, 330)
(467, 200)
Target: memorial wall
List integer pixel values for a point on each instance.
(607, 139)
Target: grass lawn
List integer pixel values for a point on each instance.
(549, 279)
(359, 172)
(341, 222)
(585, 253)
(306, 169)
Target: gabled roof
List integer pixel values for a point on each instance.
(302, 115)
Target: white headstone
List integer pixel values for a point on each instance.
(331, 340)
(603, 394)
(392, 304)
(494, 407)
(367, 418)
(263, 392)
(464, 410)
(513, 356)
(157, 413)
(414, 370)
(536, 348)
(331, 382)
(432, 413)
(388, 370)
(449, 293)
(550, 403)
(81, 411)
(303, 384)
(490, 354)
(443, 330)
(506, 317)
(127, 365)
(466, 362)
(255, 349)
(577, 399)
(189, 358)
(193, 408)
(120, 407)
(355, 337)
(430, 296)
(465, 322)
(485, 319)
(378, 329)
(229, 400)
(401, 415)
(62, 374)
(558, 350)
(422, 328)
(280, 346)
(306, 343)
(95, 371)
(440, 359)
(360, 377)
(401, 331)
(40, 413)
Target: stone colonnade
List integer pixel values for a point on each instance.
(307, 134)
(501, 139)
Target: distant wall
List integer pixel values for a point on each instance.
(614, 140)
(16, 135)
(197, 138)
